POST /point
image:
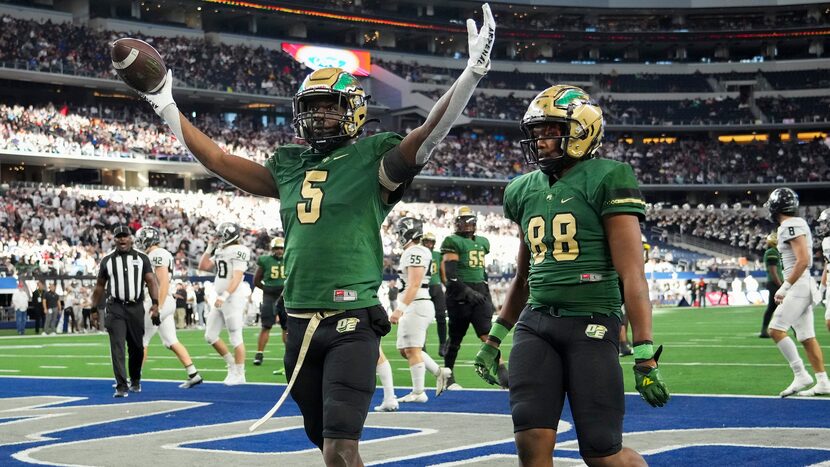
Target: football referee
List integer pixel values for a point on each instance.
(124, 272)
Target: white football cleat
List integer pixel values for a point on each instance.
(822, 388)
(230, 375)
(237, 378)
(196, 379)
(800, 381)
(441, 380)
(388, 405)
(414, 397)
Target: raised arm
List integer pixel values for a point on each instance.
(243, 173)
(401, 164)
(205, 264)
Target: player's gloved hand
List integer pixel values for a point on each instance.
(473, 297)
(163, 98)
(782, 292)
(487, 363)
(647, 380)
(481, 42)
(155, 318)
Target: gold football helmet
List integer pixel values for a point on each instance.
(277, 242)
(350, 97)
(465, 221)
(582, 126)
(772, 239)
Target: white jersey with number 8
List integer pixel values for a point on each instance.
(791, 229)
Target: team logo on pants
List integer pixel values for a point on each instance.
(595, 331)
(347, 325)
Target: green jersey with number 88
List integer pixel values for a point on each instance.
(331, 208)
(471, 256)
(570, 260)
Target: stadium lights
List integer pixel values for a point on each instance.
(660, 139)
(743, 138)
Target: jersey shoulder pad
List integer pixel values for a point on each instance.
(375, 146)
(238, 250)
(449, 245)
(517, 188)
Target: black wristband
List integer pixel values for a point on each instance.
(504, 323)
(154, 302)
(642, 342)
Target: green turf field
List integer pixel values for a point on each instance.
(708, 351)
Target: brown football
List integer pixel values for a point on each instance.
(138, 64)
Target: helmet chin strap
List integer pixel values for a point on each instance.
(553, 167)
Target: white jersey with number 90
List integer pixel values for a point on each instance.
(226, 260)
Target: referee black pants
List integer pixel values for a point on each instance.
(125, 322)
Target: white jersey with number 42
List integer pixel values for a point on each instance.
(226, 260)
(161, 258)
(790, 229)
(416, 256)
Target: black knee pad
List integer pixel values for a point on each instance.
(453, 344)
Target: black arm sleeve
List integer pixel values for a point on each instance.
(396, 167)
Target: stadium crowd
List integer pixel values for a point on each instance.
(66, 230)
(66, 48)
(73, 49)
(125, 131)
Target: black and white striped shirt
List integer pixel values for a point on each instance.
(124, 273)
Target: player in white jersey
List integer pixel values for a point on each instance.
(415, 310)
(149, 239)
(230, 261)
(796, 295)
(824, 291)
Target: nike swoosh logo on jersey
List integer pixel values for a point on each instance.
(339, 157)
(566, 200)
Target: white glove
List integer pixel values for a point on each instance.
(163, 98)
(166, 108)
(481, 42)
(782, 292)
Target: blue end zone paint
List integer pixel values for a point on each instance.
(285, 441)
(249, 402)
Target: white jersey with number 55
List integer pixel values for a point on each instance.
(416, 256)
(226, 260)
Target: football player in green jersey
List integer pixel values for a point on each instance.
(334, 194)
(270, 277)
(436, 292)
(775, 277)
(463, 269)
(579, 233)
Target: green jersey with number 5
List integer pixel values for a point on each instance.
(273, 270)
(471, 256)
(570, 261)
(332, 208)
